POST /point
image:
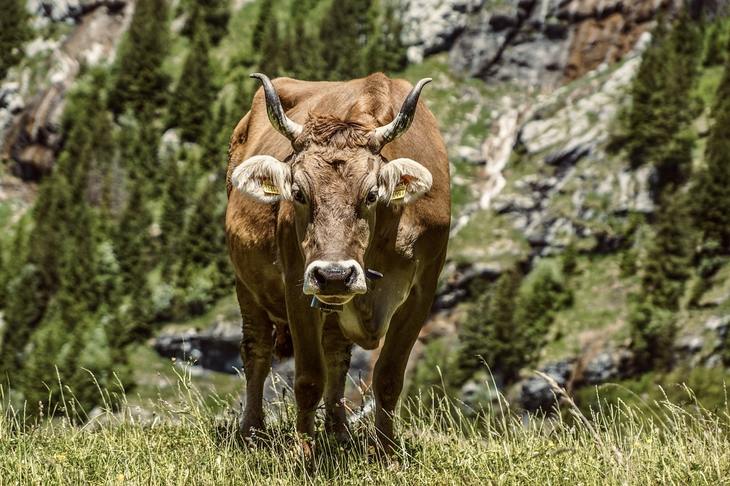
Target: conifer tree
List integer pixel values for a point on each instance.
(215, 143)
(344, 35)
(711, 196)
(204, 236)
(38, 378)
(140, 81)
(385, 50)
(191, 102)
(663, 277)
(14, 31)
(270, 51)
(133, 243)
(263, 22)
(659, 121)
(486, 331)
(215, 15)
(23, 312)
(172, 223)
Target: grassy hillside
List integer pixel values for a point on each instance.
(185, 442)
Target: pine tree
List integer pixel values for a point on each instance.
(38, 378)
(715, 54)
(133, 243)
(385, 50)
(215, 15)
(485, 328)
(663, 276)
(263, 22)
(23, 312)
(172, 223)
(344, 32)
(195, 93)
(270, 51)
(140, 81)
(14, 31)
(215, 142)
(659, 121)
(711, 198)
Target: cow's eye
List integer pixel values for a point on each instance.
(372, 197)
(298, 195)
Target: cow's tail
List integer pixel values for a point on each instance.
(283, 347)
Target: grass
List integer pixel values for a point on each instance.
(188, 442)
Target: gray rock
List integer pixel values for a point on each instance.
(72, 10)
(600, 369)
(430, 26)
(720, 325)
(470, 155)
(536, 393)
(216, 348)
(459, 281)
(689, 345)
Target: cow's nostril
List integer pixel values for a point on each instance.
(319, 277)
(351, 275)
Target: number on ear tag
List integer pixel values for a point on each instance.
(399, 192)
(270, 189)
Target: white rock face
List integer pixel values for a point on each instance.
(431, 25)
(61, 10)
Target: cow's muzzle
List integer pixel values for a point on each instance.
(334, 282)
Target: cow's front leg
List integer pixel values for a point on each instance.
(390, 369)
(337, 349)
(309, 372)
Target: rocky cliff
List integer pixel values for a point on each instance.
(72, 34)
(534, 43)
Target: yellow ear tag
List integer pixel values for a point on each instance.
(270, 189)
(399, 192)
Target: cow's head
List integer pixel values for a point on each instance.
(335, 178)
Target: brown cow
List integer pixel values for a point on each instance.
(332, 192)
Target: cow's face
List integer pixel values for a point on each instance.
(335, 179)
(335, 194)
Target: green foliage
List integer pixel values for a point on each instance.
(711, 198)
(432, 379)
(215, 15)
(385, 50)
(263, 24)
(663, 275)
(506, 328)
(190, 104)
(343, 33)
(14, 32)
(140, 83)
(715, 45)
(658, 124)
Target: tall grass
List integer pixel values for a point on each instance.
(189, 441)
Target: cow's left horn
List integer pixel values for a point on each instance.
(282, 123)
(400, 124)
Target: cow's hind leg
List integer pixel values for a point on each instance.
(337, 350)
(256, 352)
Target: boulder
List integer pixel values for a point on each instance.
(536, 394)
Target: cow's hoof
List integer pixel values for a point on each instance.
(252, 432)
(380, 450)
(340, 432)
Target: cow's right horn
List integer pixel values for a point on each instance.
(402, 121)
(282, 123)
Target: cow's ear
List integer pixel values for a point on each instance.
(402, 181)
(263, 178)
